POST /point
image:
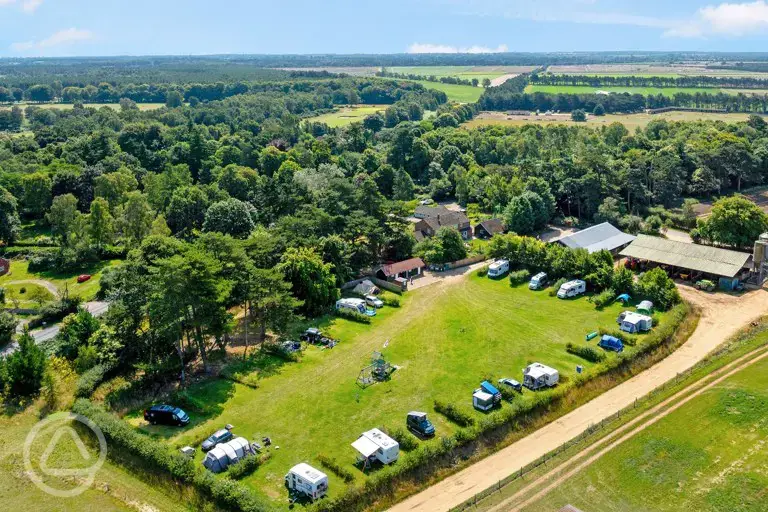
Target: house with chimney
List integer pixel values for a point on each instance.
(432, 219)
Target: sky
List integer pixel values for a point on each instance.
(33, 28)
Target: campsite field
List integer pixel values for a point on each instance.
(631, 121)
(444, 339)
(349, 114)
(708, 455)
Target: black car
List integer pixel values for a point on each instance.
(220, 436)
(166, 415)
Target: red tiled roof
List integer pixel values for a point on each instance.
(402, 266)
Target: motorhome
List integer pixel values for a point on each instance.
(498, 268)
(354, 305)
(538, 281)
(308, 481)
(376, 445)
(572, 289)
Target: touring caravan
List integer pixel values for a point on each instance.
(632, 322)
(306, 480)
(376, 445)
(354, 305)
(537, 375)
(572, 289)
(483, 401)
(498, 268)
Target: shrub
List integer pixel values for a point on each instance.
(246, 466)
(337, 469)
(518, 277)
(585, 352)
(277, 350)
(603, 298)
(560, 282)
(393, 302)
(90, 380)
(656, 286)
(453, 413)
(405, 439)
(353, 316)
(482, 272)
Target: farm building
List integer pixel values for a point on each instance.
(691, 260)
(597, 238)
(488, 228)
(402, 269)
(428, 226)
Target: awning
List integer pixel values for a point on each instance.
(365, 446)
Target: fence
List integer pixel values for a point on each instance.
(466, 261)
(392, 287)
(584, 436)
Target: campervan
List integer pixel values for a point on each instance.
(376, 445)
(538, 281)
(572, 289)
(537, 376)
(306, 480)
(354, 305)
(498, 268)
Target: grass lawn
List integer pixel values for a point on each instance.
(114, 488)
(445, 339)
(708, 455)
(631, 121)
(465, 72)
(87, 290)
(348, 115)
(457, 93)
(646, 91)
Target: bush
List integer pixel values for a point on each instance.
(603, 298)
(518, 277)
(405, 439)
(55, 311)
(560, 282)
(482, 272)
(277, 350)
(90, 380)
(337, 469)
(453, 413)
(246, 466)
(657, 287)
(393, 302)
(353, 316)
(585, 352)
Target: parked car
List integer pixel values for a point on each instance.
(425, 202)
(166, 415)
(512, 383)
(83, 278)
(706, 285)
(418, 423)
(374, 301)
(218, 437)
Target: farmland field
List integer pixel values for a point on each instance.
(646, 91)
(444, 340)
(457, 93)
(346, 115)
(465, 72)
(631, 121)
(649, 70)
(708, 455)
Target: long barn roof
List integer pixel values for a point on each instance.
(596, 238)
(712, 260)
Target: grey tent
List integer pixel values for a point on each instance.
(220, 457)
(646, 306)
(366, 287)
(216, 460)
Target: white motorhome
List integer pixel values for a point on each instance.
(376, 445)
(482, 401)
(355, 305)
(538, 281)
(304, 479)
(537, 375)
(572, 289)
(498, 268)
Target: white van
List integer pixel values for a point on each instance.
(498, 268)
(306, 480)
(538, 281)
(572, 289)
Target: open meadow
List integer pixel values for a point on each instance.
(645, 91)
(708, 455)
(631, 121)
(443, 340)
(347, 115)
(649, 69)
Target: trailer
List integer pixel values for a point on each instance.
(374, 445)
(482, 401)
(304, 480)
(572, 289)
(537, 375)
(632, 322)
(491, 390)
(498, 268)
(355, 306)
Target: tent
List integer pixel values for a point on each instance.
(216, 460)
(221, 456)
(366, 287)
(646, 307)
(624, 297)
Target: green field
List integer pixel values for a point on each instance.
(87, 290)
(445, 339)
(646, 91)
(465, 72)
(346, 115)
(114, 488)
(708, 455)
(457, 93)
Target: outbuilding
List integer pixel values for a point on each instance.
(489, 228)
(602, 237)
(402, 269)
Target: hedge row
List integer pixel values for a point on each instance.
(334, 467)
(405, 439)
(423, 462)
(353, 316)
(224, 492)
(518, 277)
(90, 380)
(585, 352)
(247, 466)
(455, 414)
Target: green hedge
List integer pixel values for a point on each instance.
(90, 380)
(337, 469)
(603, 298)
(246, 466)
(353, 316)
(405, 439)
(518, 277)
(458, 416)
(585, 352)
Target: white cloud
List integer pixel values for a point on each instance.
(60, 38)
(442, 48)
(28, 6)
(726, 19)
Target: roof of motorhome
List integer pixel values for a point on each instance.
(712, 260)
(597, 238)
(380, 438)
(309, 473)
(571, 284)
(499, 263)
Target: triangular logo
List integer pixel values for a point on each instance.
(52, 446)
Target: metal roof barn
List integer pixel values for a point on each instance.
(710, 260)
(597, 238)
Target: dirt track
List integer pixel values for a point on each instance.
(722, 316)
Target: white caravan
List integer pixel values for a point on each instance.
(572, 289)
(498, 268)
(306, 480)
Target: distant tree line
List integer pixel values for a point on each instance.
(728, 82)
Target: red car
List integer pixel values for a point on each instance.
(83, 278)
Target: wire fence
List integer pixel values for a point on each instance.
(587, 434)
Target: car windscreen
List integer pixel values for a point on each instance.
(181, 414)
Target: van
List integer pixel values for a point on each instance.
(498, 268)
(538, 281)
(166, 415)
(572, 289)
(417, 422)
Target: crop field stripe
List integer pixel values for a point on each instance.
(683, 396)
